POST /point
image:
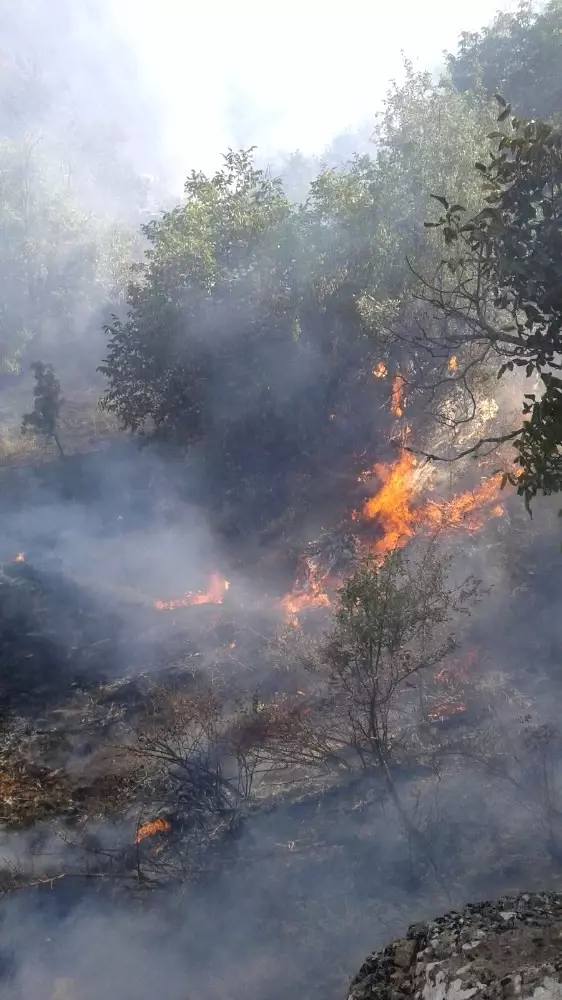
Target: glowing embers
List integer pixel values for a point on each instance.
(214, 594)
(452, 364)
(380, 370)
(397, 396)
(446, 711)
(154, 828)
(454, 681)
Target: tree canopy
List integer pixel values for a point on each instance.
(254, 323)
(501, 289)
(518, 55)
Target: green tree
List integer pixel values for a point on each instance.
(500, 288)
(44, 418)
(392, 623)
(243, 330)
(58, 263)
(518, 55)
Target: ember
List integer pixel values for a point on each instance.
(215, 594)
(452, 365)
(20, 557)
(397, 398)
(150, 829)
(445, 710)
(380, 370)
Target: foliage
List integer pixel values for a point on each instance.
(58, 263)
(391, 625)
(243, 331)
(502, 285)
(518, 55)
(254, 324)
(44, 418)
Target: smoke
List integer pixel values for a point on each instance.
(322, 869)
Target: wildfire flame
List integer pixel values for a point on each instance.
(149, 829)
(452, 365)
(394, 506)
(445, 710)
(20, 557)
(397, 396)
(380, 370)
(309, 591)
(215, 594)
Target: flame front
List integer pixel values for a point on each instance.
(397, 397)
(391, 506)
(215, 594)
(452, 365)
(466, 509)
(309, 591)
(149, 829)
(394, 509)
(445, 710)
(20, 557)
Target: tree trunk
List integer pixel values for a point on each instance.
(58, 444)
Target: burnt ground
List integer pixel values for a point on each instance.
(321, 859)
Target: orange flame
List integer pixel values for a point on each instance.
(393, 506)
(218, 587)
(380, 370)
(309, 593)
(452, 365)
(445, 710)
(465, 509)
(149, 829)
(397, 397)
(20, 557)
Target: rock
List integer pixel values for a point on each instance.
(404, 953)
(491, 951)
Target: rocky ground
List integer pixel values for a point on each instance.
(507, 949)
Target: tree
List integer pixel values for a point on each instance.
(243, 334)
(59, 264)
(254, 324)
(44, 418)
(518, 55)
(499, 290)
(392, 625)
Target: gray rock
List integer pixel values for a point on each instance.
(491, 951)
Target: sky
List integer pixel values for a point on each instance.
(280, 76)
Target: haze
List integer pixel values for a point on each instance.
(282, 77)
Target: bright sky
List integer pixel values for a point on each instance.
(281, 75)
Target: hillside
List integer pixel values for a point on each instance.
(503, 949)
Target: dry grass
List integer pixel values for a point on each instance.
(18, 449)
(82, 427)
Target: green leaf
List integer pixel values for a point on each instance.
(440, 199)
